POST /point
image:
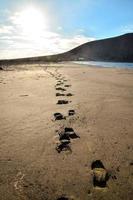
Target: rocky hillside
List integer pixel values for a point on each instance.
(112, 49)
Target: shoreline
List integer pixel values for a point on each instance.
(70, 64)
(97, 64)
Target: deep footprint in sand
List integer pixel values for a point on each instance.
(71, 133)
(60, 94)
(67, 134)
(67, 85)
(63, 102)
(59, 84)
(60, 81)
(69, 94)
(60, 88)
(24, 95)
(59, 116)
(63, 146)
(71, 112)
(100, 174)
(63, 136)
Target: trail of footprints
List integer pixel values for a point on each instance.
(67, 133)
(99, 172)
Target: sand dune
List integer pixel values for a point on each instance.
(73, 143)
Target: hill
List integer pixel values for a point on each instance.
(112, 49)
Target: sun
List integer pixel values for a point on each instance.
(32, 22)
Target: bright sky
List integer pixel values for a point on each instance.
(42, 27)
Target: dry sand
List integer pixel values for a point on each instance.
(30, 166)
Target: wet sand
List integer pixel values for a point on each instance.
(39, 159)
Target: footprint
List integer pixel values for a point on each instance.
(60, 81)
(67, 134)
(131, 163)
(58, 116)
(59, 94)
(58, 84)
(67, 85)
(60, 88)
(24, 95)
(71, 112)
(69, 95)
(71, 133)
(63, 136)
(100, 174)
(63, 146)
(63, 102)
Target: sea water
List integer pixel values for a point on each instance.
(106, 64)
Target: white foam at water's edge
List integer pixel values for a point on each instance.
(105, 64)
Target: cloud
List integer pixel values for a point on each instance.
(15, 43)
(127, 28)
(5, 29)
(19, 46)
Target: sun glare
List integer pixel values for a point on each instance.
(32, 22)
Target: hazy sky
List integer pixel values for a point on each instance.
(42, 27)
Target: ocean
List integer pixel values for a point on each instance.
(106, 64)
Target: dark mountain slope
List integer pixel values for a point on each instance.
(112, 49)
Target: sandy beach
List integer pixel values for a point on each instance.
(97, 107)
